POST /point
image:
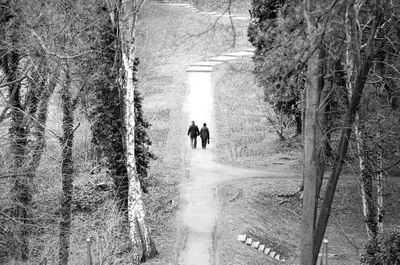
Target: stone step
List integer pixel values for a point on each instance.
(239, 53)
(222, 58)
(207, 63)
(199, 69)
(241, 18)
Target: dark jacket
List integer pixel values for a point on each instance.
(204, 133)
(193, 131)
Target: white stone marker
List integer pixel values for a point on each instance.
(278, 257)
(242, 238)
(261, 247)
(249, 240)
(272, 254)
(255, 244)
(267, 250)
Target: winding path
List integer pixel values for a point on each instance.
(198, 205)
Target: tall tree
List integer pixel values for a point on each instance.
(125, 18)
(372, 43)
(368, 46)
(67, 166)
(312, 176)
(20, 105)
(353, 57)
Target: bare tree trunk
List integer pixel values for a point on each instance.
(39, 127)
(353, 66)
(143, 245)
(66, 168)
(360, 78)
(342, 150)
(312, 137)
(380, 210)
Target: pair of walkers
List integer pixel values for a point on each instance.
(204, 134)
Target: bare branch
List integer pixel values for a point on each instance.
(60, 56)
(23, 76)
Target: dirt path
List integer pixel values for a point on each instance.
(198, 195)
(198, 207)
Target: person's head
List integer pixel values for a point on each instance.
(204, 124)
(193, 122)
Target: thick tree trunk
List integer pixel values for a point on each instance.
(341, 152)
(20, 192)
(66, 169)
(312, 172)
(143, 245)
(18, 133)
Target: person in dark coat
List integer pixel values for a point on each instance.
(205, 136)
(193, 132)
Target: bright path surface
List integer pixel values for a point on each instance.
(198, 204)
(198, 196)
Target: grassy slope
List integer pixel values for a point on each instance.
(246, 138)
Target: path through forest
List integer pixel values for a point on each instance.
(198, 195)
(198, 210)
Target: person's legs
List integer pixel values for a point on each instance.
(203, 143)
(192, 142)
(195, 142)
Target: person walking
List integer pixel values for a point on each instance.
(193, 132)
(205, 136)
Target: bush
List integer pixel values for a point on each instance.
(87, 198)
(383, 250)
(277, 32)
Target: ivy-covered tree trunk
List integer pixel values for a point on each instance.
(353, 58)
(143, 245)
(67, 169)
(38, 131)
(20, 192)
(379, 185)
(18, 136)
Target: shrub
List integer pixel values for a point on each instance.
(383, 250)
(277, 31)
